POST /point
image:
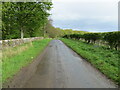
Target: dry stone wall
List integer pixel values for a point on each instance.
(16, 42)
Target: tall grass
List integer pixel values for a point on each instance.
(0, 69)
(18, 57)
(104, 59)
(10, 51)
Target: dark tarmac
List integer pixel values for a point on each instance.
(60, 67)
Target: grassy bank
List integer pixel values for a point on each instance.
(102, 58)
(18, 57)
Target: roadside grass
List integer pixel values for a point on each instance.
(104, 59)
(18, 57)
(0, 68)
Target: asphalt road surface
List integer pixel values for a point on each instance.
(60, 67)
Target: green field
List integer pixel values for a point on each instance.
(106, 60)
(18, 57)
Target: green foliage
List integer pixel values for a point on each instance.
(102, 58)
(16, 58)
(112, 38)
(91, 37)
(53, 32)
(24, 18)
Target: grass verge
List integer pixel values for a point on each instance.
(18, 57)
(103, 59)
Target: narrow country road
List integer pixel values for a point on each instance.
(60, 67)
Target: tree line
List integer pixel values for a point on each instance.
(55, 32)
(24, 19)
(111, 38)
(29, 19)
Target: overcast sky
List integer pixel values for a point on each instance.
(86, 15)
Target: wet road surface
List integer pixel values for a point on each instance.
(60, 67)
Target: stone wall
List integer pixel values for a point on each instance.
(16, 42)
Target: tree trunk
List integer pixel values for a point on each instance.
(22, 34)
(116, 47)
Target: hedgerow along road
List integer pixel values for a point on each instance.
(60, 67)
